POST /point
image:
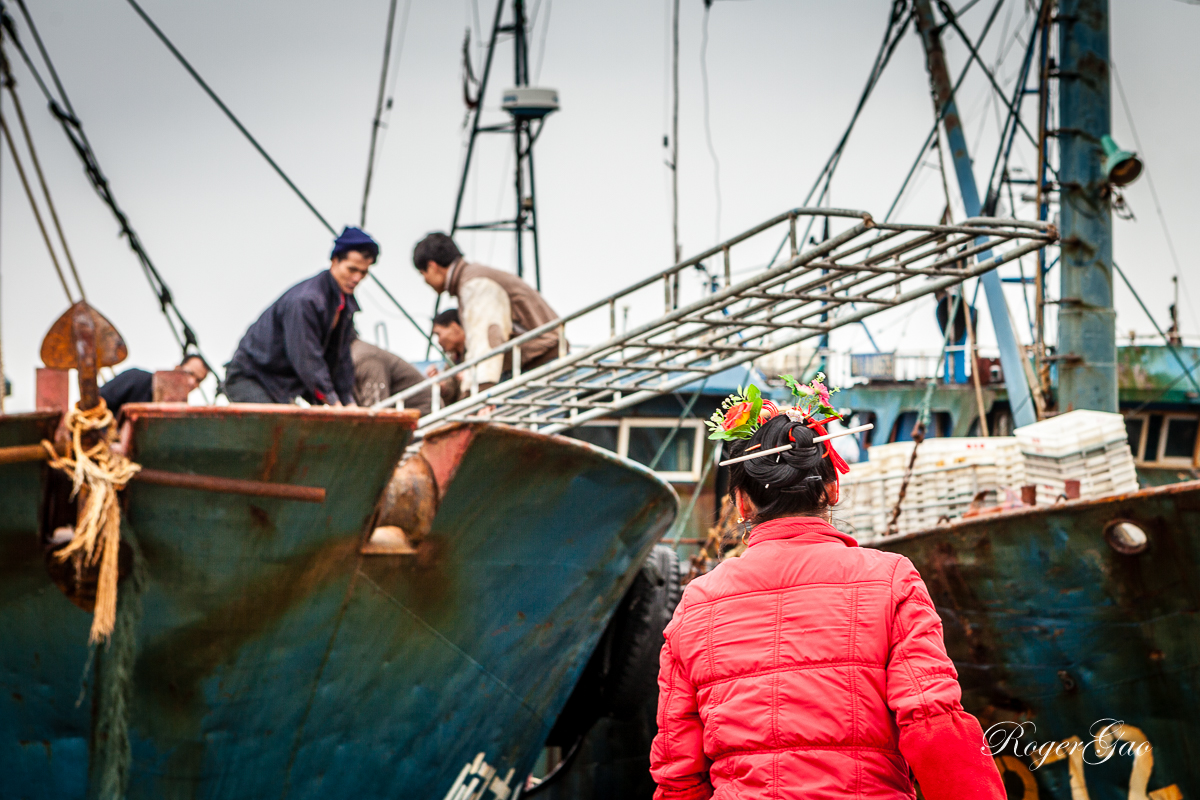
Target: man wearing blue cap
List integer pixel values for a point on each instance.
(300, 346)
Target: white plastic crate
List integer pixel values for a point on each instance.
(1087, 446)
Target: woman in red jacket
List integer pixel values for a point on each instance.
(809, 667)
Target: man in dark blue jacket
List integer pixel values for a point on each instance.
(300, 346)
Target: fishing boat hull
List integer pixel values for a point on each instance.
(1051, 625)
(264, 649)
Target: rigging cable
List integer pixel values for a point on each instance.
(537, 72)
(1154, 322)
(73, 129)
(712, 151)
(891, 38)
(11, 84)
(384, 108)
(1162, 218)
(37, 215)
(383, 74)
(941, 114)
(254, 142)
(974, 51)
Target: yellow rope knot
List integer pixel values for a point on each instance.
(100, 473)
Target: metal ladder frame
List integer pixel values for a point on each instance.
(851, 276)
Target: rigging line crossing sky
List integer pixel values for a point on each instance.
(73, 129)
(237, 123)
(383, 76)
(941, 114)
(11, 85)
(1162, 218)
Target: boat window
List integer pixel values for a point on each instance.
(939, 425)
(600, 434)
(1181, 437)
(644, 438)
(639, 439)
(1153, 433)
(1133, 430)
(866, 438)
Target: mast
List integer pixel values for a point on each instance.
(1087, 322)
(1012, 356)
(527, 108)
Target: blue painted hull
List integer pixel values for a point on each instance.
(264, 654)
(1050, 625)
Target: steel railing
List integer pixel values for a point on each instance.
(855, 273)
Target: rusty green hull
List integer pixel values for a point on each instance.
(1048, 623)
(260, 653)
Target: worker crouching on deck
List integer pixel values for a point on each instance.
(494, 307)
(300, 346)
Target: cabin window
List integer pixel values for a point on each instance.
(601, 434)
(1153, 434)
(939, 425)
(866, 438)
(1180, 441)
(644, 437)
(640, 438)
(1133, 432)
(1166, 440)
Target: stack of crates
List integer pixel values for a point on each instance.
(948, 475)
(1088, 446)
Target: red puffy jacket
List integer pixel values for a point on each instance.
(812, 668)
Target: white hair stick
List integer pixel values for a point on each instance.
(773, 450)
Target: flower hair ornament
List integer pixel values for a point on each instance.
(746, 410)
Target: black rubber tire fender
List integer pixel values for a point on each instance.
(631, 674)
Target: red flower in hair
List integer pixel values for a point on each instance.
(737, 415)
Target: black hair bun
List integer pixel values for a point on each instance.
(789, 470)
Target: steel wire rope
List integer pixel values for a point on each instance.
(942, 113)
(37, 214)
(1154, 322)
(537, 72)
(712, 151)
(891, 38)
(254, 142)
(1162, 218)
(72, 127)
(375, 122)
(974, 51)
(11, 85)
(382, 122)
(886, 48)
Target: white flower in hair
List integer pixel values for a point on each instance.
(796, 414)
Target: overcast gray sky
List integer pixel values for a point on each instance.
(229, 237)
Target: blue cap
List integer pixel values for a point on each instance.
(354, 239)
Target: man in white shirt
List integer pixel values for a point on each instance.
(493, 307)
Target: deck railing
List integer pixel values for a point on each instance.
(853, 274)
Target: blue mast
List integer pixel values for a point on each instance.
(1087, 322)
(1012, 355)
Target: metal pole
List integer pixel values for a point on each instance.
(466, 171)
(483, 82)
(520, 129)
(533, 220)
(1087, 322)
(519, 219)
(678, 251)
(1011, 353)
(1043, 201)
